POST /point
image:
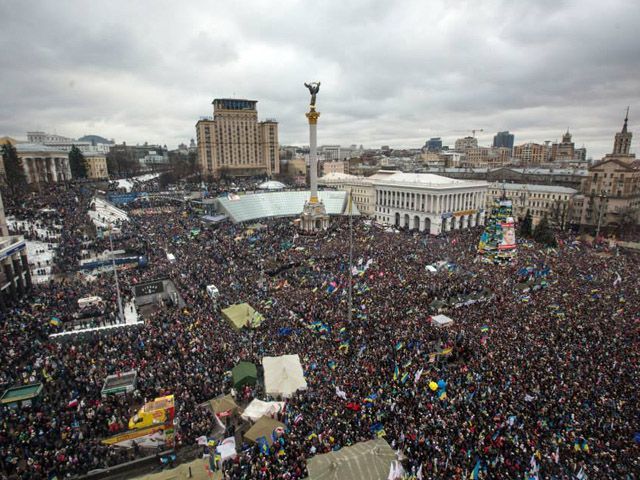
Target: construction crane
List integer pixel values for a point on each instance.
(473, 132)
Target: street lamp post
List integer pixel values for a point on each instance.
(115, 275)
(350, 273)
(603, 198)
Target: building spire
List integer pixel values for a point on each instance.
(626, 119)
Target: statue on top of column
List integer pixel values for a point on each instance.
(314, 88)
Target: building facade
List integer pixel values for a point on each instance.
(361, 189)
(466, 143)
(96, 166)
(234, 143)
(531, 153)
(429, 203)
(566, 151)
(554, 202)
(612, 188)
(334, 166)
(65, 143)
(15, 275)
(487, 157)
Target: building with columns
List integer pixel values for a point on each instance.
(15, 276)
(429, 203)
(43, 164)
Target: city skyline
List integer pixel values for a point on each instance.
(119, 72)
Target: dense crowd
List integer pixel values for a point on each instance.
(544, 380)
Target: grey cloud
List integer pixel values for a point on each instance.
(392, 72)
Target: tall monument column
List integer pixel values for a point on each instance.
(313, 116)
(314, 215)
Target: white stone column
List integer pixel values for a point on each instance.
(313, 161)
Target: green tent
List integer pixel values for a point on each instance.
(21, 394)
(241, 315)
(244, 373)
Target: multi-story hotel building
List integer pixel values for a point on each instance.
(234, 143)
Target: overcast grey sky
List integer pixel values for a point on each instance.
(392, 72)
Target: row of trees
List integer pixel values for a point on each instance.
(13, 170)
(542, 233)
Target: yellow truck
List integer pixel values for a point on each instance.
(160, 411)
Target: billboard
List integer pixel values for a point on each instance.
(508, 240)
(148, 288)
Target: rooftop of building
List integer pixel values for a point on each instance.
(26, 147)
(428, 180)
(530, 187)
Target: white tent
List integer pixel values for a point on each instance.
(283, 375)
(258, 408)
(441, 321)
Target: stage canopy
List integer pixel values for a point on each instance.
(370, 460)
(283, 375)
(242, 315)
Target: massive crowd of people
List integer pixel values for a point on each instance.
(544, 380)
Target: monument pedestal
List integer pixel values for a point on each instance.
(314, 217)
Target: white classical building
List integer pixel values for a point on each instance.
(427, 202)
(43, 164)
(420, 201)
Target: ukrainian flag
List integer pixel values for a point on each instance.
(396, 372)
(484, 328)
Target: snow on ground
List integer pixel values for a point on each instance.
(106, 214)
(127, 183)
(130, 316)
(26, 226)
(39, 253)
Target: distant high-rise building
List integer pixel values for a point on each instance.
(235, 143)
(434, 144)
(503, 139)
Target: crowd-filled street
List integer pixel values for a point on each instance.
(542, 381)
